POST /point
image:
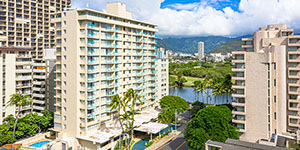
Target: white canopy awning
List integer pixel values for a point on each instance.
(152, 127)
(104, 134)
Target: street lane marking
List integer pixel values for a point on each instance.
(180, 145)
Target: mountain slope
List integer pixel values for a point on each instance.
(190, 44)
(228, 47)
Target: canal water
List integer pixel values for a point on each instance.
(188, 94)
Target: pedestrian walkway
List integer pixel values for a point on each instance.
(159, 144)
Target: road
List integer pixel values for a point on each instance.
(178, 143)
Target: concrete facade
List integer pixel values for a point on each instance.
(15, 77)
(266, 84)
(26, 23)
(99, 55)
(162, 64)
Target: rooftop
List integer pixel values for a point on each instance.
(232, 144)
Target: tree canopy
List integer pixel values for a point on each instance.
(196, 106)
(170, 104)
(213, 123)
(26, 126)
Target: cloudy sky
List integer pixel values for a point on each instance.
(208, 17)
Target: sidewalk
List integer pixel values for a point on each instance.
(166, 139)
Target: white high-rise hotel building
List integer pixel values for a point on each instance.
(200, 50)
(99, 55)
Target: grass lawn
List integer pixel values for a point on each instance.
(190, 80)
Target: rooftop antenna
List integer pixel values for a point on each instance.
(87, 3)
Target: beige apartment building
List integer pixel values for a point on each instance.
(15, 76)
(20, 73)
(26, 23)
(162, 65)
(267, 94)
(99, 55)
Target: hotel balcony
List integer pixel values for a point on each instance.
(91, 115)
(22, 78)
(40, 102)
(39, 76)
(38, 95)
(38, 107)
(23, 70)
(39, 70)
(237, 95)
(113, 85)
(91, 97)
(39, 64)
(110, 53)
(293, 121)
(39, 89)
(239, 119)
(23, 63)
(92, 61)
(294, 59)
(238, 78)
(39, 82)
(91, 71)
(91, 106)
(235, 112)
(111, 69)
(92, 53)
(92, 79)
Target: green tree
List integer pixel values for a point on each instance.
(26, 126)
(213, 123)
(171, 104)
(19, 101)
(196, 106)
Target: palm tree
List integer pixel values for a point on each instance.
(228, 85)
(199, 87)
(180, 80)
(19, 101)
(118, 103)
(126, 104)
(165, 117)
(132, 97)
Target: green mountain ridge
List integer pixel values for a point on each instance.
(211, 44)
(228, 47)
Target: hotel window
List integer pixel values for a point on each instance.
(274, 66)
(274, 82)
(274, 115)
(274, 99)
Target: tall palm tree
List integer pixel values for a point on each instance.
(19, 101)
(132, 99)
(199, 87)
(118, 103)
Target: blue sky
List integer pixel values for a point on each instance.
(208, 17)
(218, 5)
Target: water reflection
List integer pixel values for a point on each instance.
(190, 95)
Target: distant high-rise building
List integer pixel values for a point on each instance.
(162, 65)
(200, 50)
(26, 23)
(267, 93)
(100, 55)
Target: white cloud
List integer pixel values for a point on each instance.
(202, 19)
